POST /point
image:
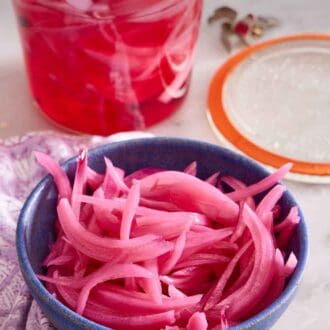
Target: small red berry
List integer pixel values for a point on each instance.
(241, 28)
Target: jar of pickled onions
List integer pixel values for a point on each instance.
(103, 66)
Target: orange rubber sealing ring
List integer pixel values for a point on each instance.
(228, 130)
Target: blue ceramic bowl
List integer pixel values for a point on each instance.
(35, 226)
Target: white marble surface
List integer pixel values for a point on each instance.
(17, 116)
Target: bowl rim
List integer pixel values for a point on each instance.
(41, 293)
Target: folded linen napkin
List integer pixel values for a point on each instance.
(19, 173)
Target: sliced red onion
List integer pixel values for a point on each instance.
(82, 5)
(197, 322)
(165, 250)
(262, 185)
(61, 180)
(190, 194)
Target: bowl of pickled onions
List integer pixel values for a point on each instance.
(161, 233)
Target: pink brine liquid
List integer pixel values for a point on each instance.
(102, 66)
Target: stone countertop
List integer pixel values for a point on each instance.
(18, 116)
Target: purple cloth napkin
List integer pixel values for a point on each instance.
(19, 173)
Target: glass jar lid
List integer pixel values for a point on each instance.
(271, 101)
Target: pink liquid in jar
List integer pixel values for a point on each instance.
(103, 66)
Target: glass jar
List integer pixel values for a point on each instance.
(103, 66)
